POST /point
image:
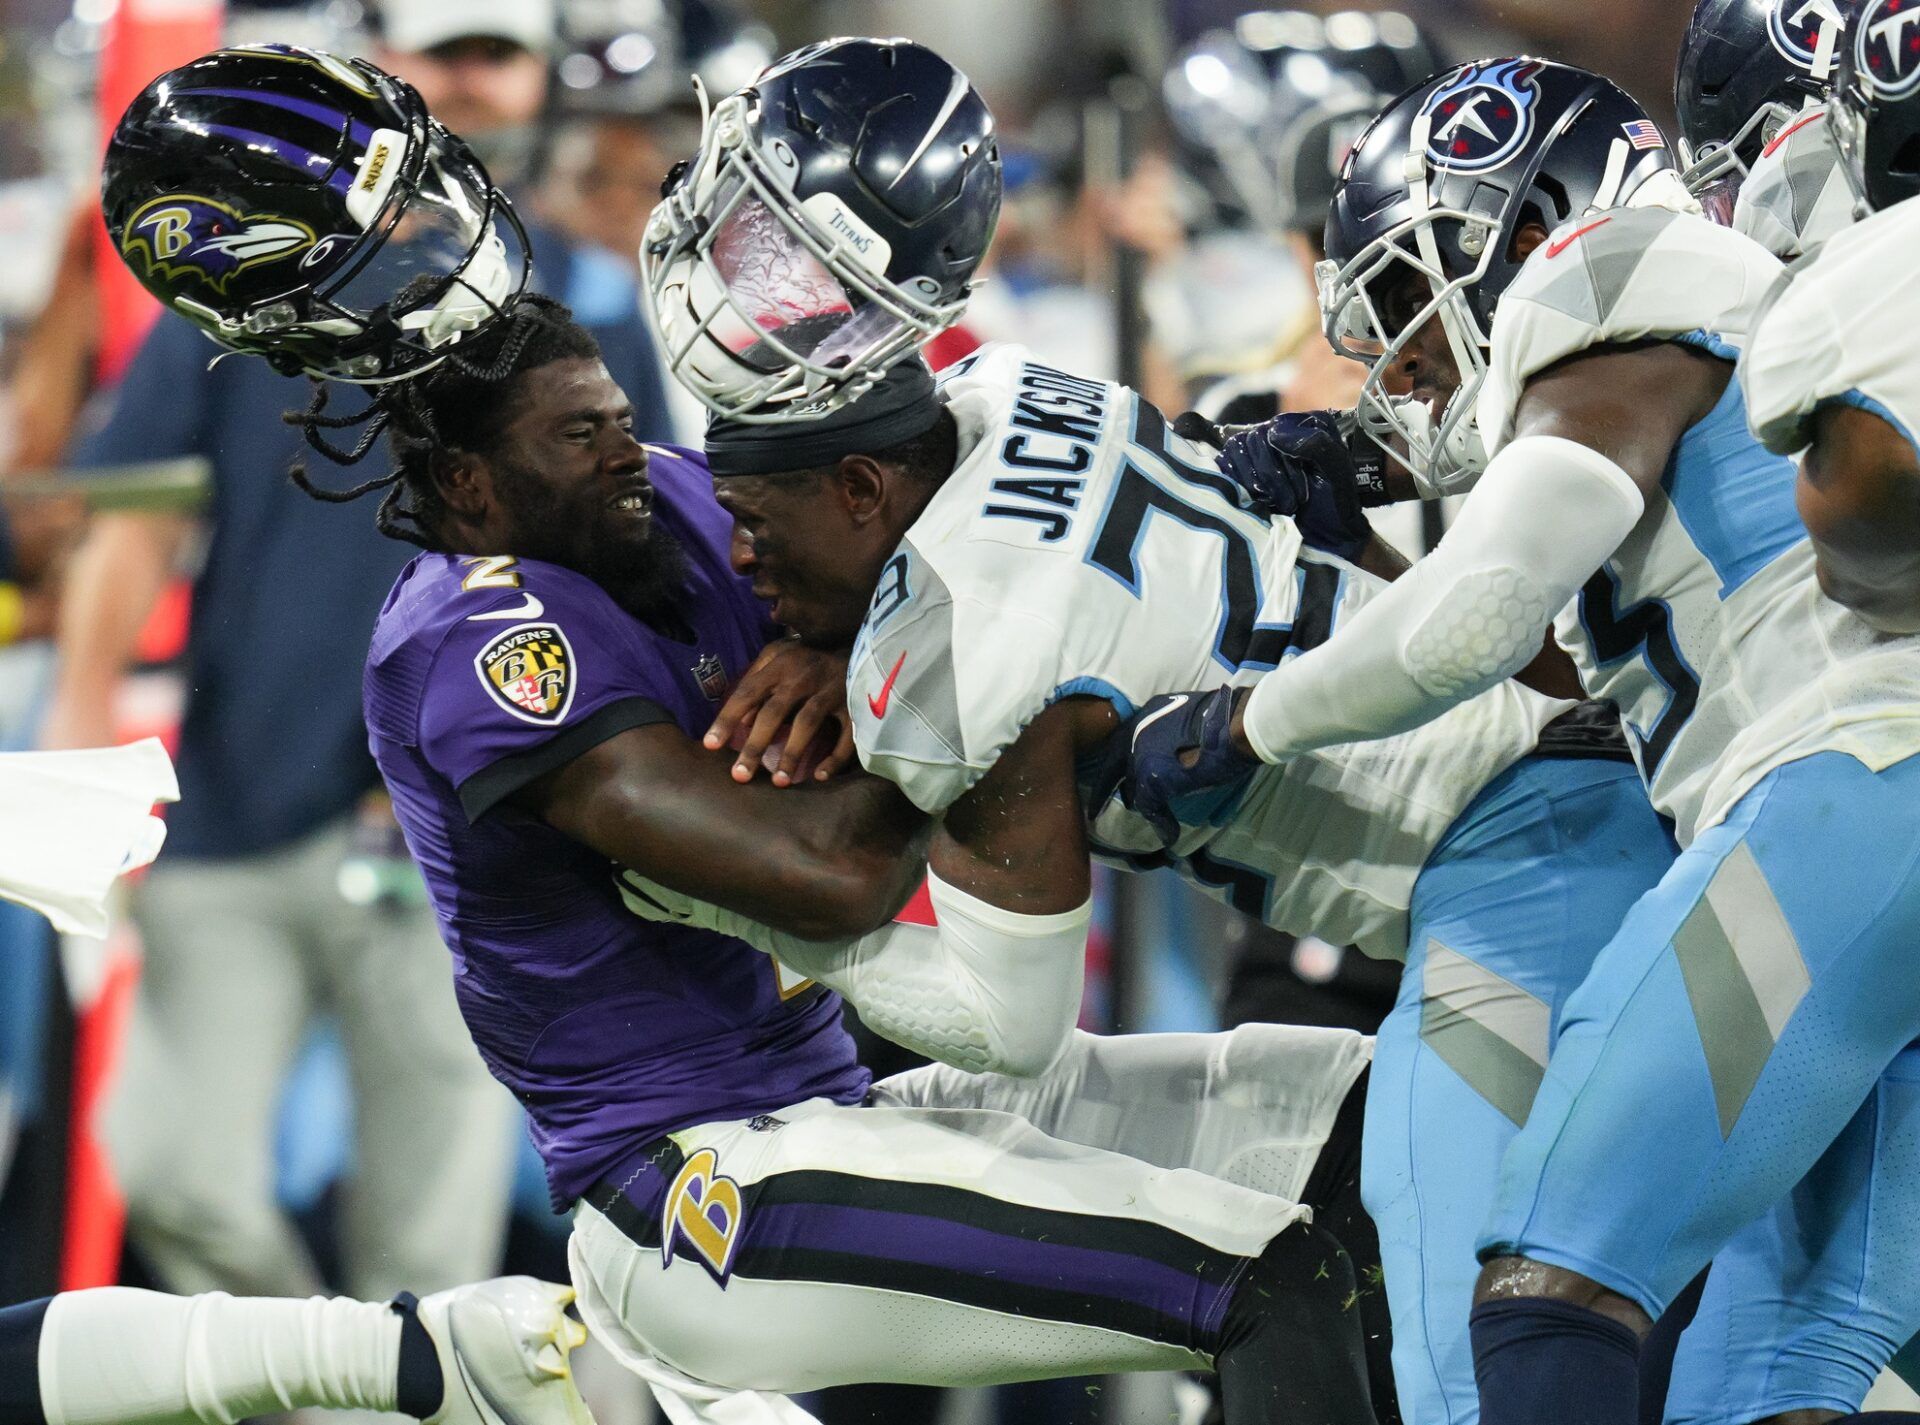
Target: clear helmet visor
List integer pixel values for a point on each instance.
(451, 256)
(1718, 200)
(776, 302)
(769, 307)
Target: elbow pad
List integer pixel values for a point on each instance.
(1023, 974)
(1546, 514)
(987, 990)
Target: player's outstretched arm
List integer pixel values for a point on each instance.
(1859, 494)
(1592, 435)
(822, 862)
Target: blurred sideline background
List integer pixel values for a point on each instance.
(578, 107)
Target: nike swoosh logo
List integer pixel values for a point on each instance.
(1790, 130)
(1179, 701)
(878, 706)
(532, 608)
(1554, 249)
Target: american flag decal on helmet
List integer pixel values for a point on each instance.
(1644, 134)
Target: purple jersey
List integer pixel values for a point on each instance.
(487, 673)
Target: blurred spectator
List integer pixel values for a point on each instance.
(285, 891)
(607, 173)
(483, 67)
(624, 110)
(1263, 115)
(1042, 283)
(254, 922)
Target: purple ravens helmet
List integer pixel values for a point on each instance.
(307, 208)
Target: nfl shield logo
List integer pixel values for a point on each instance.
(711, 675)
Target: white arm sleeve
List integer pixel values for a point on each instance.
(987, 990)
(1543, 517)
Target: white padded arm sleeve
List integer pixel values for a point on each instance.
(987, 990)
(1543, 517)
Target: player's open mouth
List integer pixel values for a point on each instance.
(635, 501)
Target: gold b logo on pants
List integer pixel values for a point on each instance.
(703, 1211)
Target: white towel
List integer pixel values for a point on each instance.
(72, 822)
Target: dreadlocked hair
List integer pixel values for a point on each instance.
(457, 405)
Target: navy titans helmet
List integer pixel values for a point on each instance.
(1265, 112)
(1746, 68)
(830, 224)
(1873, 118)
(1431, 201)
(307, 208)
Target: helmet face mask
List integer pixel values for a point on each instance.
(1748, 69)
(1425, 223)
(828, 227)
(1714, 175)
(440, 269)
(1847, 132)
(1354, 300)
(770, 307)
(378, 238)
(1873, 114)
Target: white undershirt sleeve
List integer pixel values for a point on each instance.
(987, 990)
(118, 1356)
(1543, 517)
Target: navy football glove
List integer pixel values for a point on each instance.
(1175, 764)
(1304, 466)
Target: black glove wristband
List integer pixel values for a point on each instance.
(1369, 469)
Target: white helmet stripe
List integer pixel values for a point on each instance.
(956, 91)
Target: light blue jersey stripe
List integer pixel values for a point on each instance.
(1732, 495)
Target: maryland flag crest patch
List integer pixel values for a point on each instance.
(529, 670)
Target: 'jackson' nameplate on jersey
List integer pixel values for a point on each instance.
(529, 670)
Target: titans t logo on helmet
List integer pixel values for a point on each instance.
(1887, 47)
(183, 235)
(1795, 27)
(1483, 116)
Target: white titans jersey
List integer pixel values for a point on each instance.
(1706, 626)
(1079, 548)
(1796, 196)
(1844, 330)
